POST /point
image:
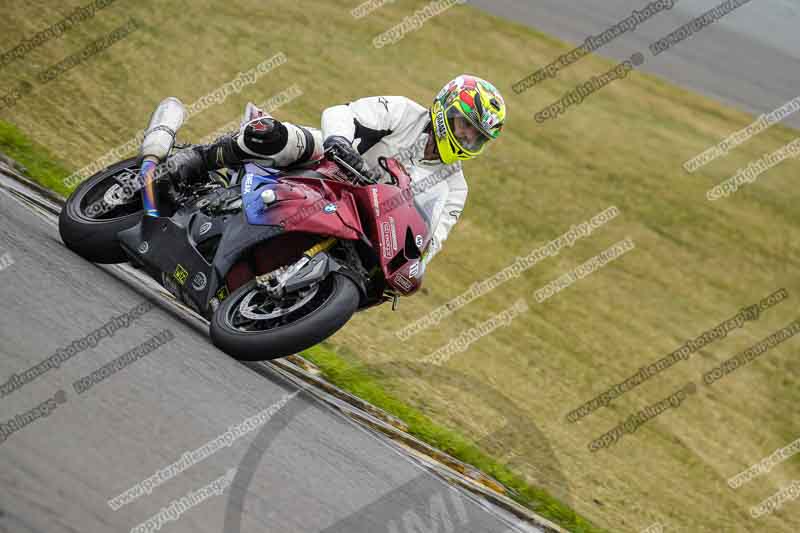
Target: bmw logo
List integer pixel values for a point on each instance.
(330, 208)
(144, 247)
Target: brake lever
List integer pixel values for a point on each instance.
(341, 162)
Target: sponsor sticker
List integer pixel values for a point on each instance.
(181, 274)
(387, 239)
(375, 202)
(222, 293)
(199, 281)
(403, 282)
(441, 130)
(394, 233)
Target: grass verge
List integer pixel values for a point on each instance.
(42, 166)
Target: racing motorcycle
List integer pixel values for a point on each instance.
(276, 260)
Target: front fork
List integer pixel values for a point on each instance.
(274, 283)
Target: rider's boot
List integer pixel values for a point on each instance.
(192, 166)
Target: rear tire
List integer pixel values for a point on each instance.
(338, 300)
(94, 238)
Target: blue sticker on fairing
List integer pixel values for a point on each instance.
(255, 181)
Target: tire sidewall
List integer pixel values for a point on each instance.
(291, 338)
(95, 240)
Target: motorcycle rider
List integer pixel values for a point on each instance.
(466, 114)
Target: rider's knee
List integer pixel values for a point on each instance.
(282, 142)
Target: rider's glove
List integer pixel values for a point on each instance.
(343, 148)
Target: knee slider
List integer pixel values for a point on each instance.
(263, 137)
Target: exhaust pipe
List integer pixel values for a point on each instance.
(159, 139)
(167, 119)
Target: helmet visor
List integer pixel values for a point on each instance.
(466, 133)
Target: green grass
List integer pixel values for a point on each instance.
(695, 263)
(41, 164)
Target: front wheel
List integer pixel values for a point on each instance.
(250, 325)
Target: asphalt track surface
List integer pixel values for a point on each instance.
(307, 469)
(750, 59)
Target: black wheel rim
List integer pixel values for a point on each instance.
(240, 312)
(113, 197)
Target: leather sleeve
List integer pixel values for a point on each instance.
(454, 204)
(367, 120)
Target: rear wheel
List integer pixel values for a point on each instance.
(250, 325)
(102, 206)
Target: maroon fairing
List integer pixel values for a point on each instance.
(385, 214)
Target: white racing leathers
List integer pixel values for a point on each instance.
(394, 126)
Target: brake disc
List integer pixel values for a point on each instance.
(256, 312)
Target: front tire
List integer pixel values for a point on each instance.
(335, 300)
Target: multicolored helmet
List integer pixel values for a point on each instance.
(466, 114)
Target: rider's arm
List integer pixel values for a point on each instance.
(368, 120)
(454, 204)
